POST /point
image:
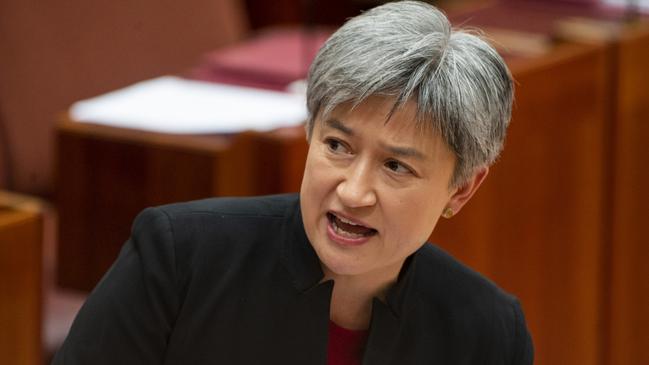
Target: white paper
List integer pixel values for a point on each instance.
(173, 105)
(640, 4)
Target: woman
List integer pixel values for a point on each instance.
(405, 118)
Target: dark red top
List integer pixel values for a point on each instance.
(345, 346)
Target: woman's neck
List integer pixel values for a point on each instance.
(351, 300)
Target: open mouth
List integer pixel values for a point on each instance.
(347, 228)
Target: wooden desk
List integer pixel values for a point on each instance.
(20, 280)
(107, 175)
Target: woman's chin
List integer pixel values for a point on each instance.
(341, 263)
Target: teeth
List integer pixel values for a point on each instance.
(347, 221)
(342, 232)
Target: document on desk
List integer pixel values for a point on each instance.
(174, 105)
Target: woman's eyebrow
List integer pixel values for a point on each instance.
(396, 150)
(404, 151)
(338, 125)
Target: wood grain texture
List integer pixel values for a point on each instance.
(20, 286)
(536, 224)
(108, 175)
(629, 292)
(623, 297)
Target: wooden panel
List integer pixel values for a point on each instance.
(536, 225)
(629, 293)
(107, 175)
(80, 49)
(20, 285)
(281, 156)
(624, 284)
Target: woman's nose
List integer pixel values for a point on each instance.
(357, 187)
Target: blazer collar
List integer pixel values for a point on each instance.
(298, 255)
(303, 264)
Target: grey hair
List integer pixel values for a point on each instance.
(407, 51)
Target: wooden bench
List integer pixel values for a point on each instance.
(20, 280)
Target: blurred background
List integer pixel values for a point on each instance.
(94, 127)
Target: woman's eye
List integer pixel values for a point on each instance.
(335, 145)
(398, 167)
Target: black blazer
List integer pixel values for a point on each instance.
(235, 281)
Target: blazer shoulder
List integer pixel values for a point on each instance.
(473, 305)
(259, 206)
(211, 235)
(461, 284)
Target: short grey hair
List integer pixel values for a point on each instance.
(407, 50)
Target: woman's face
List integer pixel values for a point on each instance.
(372, 191)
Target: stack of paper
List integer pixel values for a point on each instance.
(175, 105)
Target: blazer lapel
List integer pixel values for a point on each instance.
(384, 330)
(387, 318)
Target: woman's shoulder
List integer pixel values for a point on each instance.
(201, 218)
(453, 287)
(460, 301)
(209, 219)
(269, 206)
(439, 270)
(203, 234)
(467, 309)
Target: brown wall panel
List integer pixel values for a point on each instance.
(536, 224)
(55, 53)
(629, 292)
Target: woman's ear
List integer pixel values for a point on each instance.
(464, 192)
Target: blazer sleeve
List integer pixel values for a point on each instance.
(524, 349)
(129, 316)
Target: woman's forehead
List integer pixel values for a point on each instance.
(376, 119)
(382, 112)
